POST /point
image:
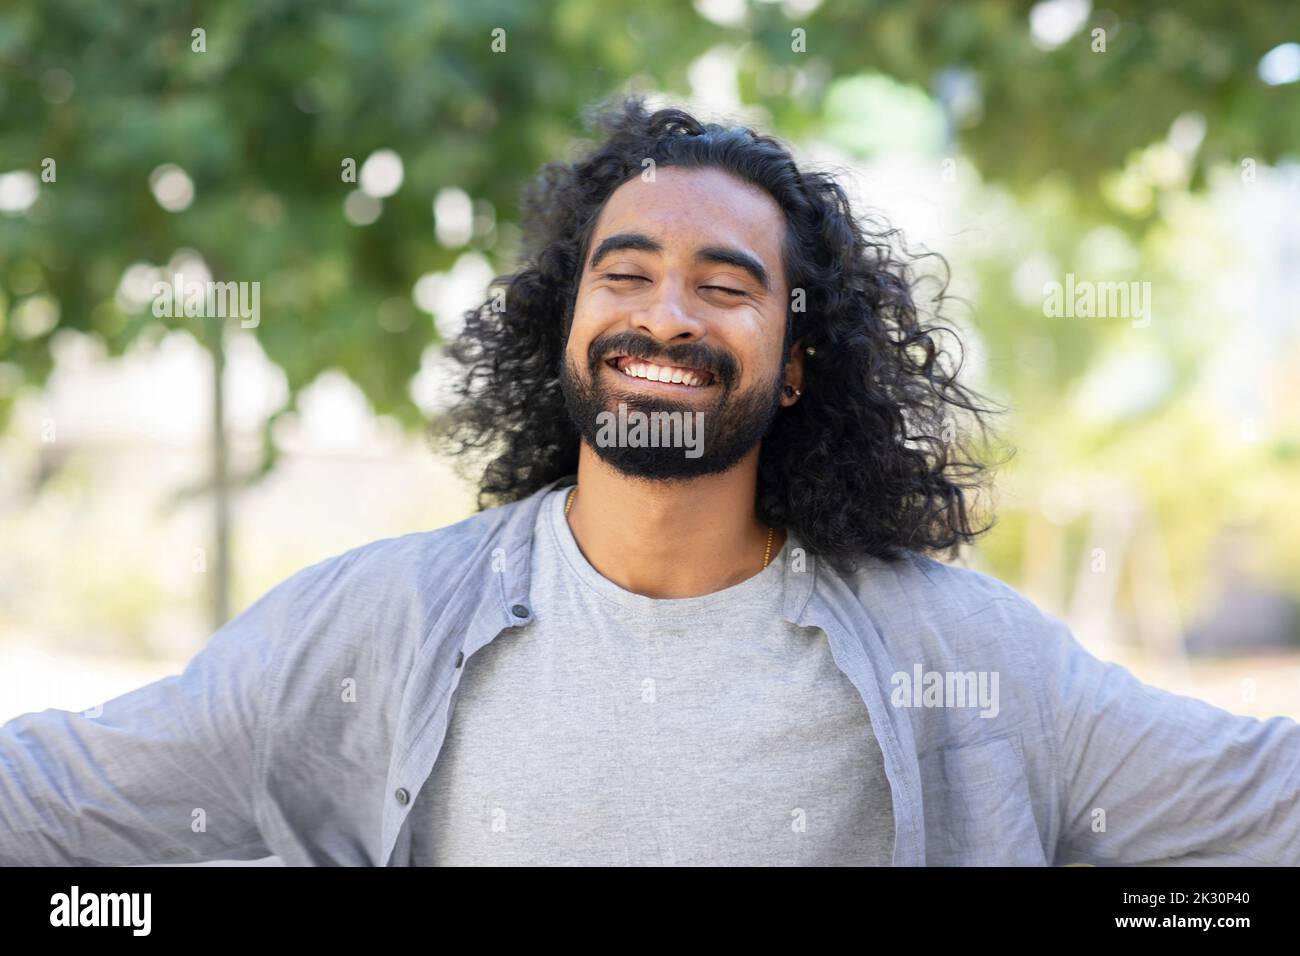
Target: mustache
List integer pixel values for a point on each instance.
(688, 355)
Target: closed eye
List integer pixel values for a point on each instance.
(622, 276)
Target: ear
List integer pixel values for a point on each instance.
(793, 372)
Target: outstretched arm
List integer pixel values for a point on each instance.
(167, 773)
(1152, 777)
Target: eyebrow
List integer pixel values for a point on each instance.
(723, 255)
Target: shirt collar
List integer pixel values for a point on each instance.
(517, 538)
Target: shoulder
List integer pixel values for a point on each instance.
(422, 563)
(917, 590)
(371, 606)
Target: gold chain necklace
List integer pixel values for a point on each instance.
(767, 554)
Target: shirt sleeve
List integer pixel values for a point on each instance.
(1149, 777)
(166, 773)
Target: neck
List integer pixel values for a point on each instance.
(670, 539)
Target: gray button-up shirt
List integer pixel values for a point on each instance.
(307, 725)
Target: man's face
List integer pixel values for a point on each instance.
(683, 273)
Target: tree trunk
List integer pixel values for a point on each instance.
(215, 334)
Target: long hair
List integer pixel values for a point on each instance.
(873, 459)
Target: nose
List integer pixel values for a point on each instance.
(668, 317)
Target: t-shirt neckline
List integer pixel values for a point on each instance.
(754, 588)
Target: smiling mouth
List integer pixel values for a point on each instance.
(661, 374)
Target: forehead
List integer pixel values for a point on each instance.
(686, 208)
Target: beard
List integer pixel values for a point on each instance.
(729, 426)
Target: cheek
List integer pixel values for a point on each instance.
(594, 316)
(751, 343)
(577, 336)
(575, 354)
(597, 305)
(586, 313)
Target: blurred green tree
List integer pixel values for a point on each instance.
(264, 106)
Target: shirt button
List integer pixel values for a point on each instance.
(460, 658)
(402, 796)
(519, 610)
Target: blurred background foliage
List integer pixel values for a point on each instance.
(1069, 137)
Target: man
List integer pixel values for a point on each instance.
(698, 625)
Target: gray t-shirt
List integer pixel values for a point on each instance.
(618, 729)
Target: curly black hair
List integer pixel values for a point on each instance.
(874, 459)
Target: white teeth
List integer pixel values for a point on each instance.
(657, 373)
